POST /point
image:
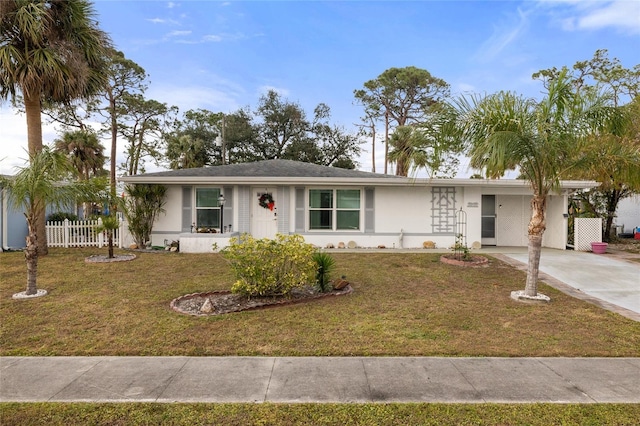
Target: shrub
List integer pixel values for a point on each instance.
(109, 225)
(141, 207)
(460, 249)
(270, 267)
(324, 266)
(61, 216)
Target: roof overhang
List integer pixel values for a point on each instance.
(565, 186)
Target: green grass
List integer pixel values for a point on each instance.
(402, 305)
(318, 414)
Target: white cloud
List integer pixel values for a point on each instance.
(222, 98)
(179, 33)
(623, 15)
(13, 139)
(263, 90)
(503, 36)
(171, 5)
(464, 88)
(212, 38)
(162, 21)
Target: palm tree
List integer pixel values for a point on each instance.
(50, 50)
(432, 145)
(544, 140)
(405, 149)
(32, 189)
(85, 152)
(110, 224)
(186, 152)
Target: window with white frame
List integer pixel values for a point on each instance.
(207, 208)
(334, 209)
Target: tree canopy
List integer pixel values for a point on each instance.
(544, 139)
(278, 128)
(36, 186)
(50, 51)
(404, 97)
(614, 149)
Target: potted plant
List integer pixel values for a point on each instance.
(598, 247)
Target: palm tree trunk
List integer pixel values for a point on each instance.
(110, 243)
(32, 107)
(31, 256)
(536, 230)
(533, 267)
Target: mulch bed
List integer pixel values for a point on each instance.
(225, 302)
(99, 258)
(475, 261)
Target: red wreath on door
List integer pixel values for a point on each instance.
(266, 201)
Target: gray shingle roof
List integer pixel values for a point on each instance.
(269, 169)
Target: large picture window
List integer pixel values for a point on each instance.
(207, 208)
(334, 209)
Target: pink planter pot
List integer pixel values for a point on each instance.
(599, 248)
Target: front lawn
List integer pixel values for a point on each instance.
(402, 305)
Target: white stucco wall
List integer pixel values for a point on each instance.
(555, 236)
(513, 214)
(628, 214)
(203, 243)
(394, 227)
(167, 224)
(472, 204)
(392, 205)
(406, 209)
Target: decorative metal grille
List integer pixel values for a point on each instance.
(443, 210)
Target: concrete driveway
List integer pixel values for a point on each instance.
(606, 277)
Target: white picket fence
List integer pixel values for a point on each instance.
(82, 233)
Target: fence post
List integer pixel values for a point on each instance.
(120, 227)
(100, 234)
(65, 233)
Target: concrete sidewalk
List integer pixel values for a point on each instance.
(320, 379)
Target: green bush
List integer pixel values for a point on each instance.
(324, 266)
(270, 267)
(61, 216)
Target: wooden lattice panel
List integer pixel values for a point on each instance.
(587, 231)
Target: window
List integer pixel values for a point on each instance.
(321, 209)
(207, 208)
(334, 209)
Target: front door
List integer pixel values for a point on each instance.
(264, 218)
(488, 220)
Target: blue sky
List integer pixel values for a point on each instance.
(222, 56)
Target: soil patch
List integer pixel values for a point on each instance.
(474, 261)
(99, 258)
(225, 302)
